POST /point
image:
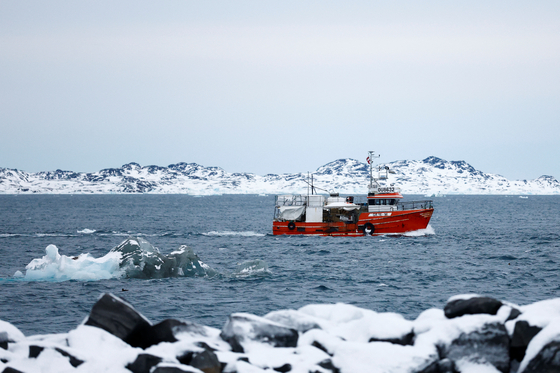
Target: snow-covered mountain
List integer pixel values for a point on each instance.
(429, 176)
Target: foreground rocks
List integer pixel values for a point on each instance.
(471, 334)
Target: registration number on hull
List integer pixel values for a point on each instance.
(380, 214)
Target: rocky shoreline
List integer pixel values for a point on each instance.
(471, 334)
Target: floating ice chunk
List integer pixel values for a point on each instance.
(140, 259)
(56, 267)
(134, 258)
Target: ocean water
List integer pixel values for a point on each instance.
(501, 246)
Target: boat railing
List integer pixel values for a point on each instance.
(291, 200)
(415, 205)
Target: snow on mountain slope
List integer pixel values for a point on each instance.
(429, 176)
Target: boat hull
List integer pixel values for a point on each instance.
(369, 223)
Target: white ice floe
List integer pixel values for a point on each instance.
(87, 231)
(56, 267)
(133, 258)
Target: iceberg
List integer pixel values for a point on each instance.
(135, 257)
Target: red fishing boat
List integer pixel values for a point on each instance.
(382, 212)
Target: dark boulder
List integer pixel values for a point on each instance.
(321, 347)
(440, 366)
(431, 368)
(11, 370)
(405, 340)
(329, 366)
(205, 360)
(35, 351)
(514, 314)
(284, 368)
(153, 335)
(165, 331)
(522, 335)
(171, 369)
(293, 319)
(489, 344)
(9, 334)
(4, 340)
(546, 361)
(143, 363)
(446, 366)
(74, 361)
(244, 327)
(117, 317)
(471, 306)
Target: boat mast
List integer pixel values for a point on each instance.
(370, 158)
(308, 186)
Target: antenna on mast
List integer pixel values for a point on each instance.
(370, 158)
(312, 186)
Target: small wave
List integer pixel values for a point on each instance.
(87, 231)
(53, 235)
(113, 233)
(503, 257)
(232, 233)
(322, 288)
(252, 268)
(429, 231)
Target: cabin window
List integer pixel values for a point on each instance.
(382, 202)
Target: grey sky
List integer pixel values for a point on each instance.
(273, 87)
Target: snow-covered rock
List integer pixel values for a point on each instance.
(316, 338)
(429, 176)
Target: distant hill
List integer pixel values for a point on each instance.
(430, 176)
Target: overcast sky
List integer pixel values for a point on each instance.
(279, 86)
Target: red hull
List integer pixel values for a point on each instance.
(369, 223)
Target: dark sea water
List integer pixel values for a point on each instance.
(504, 247)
